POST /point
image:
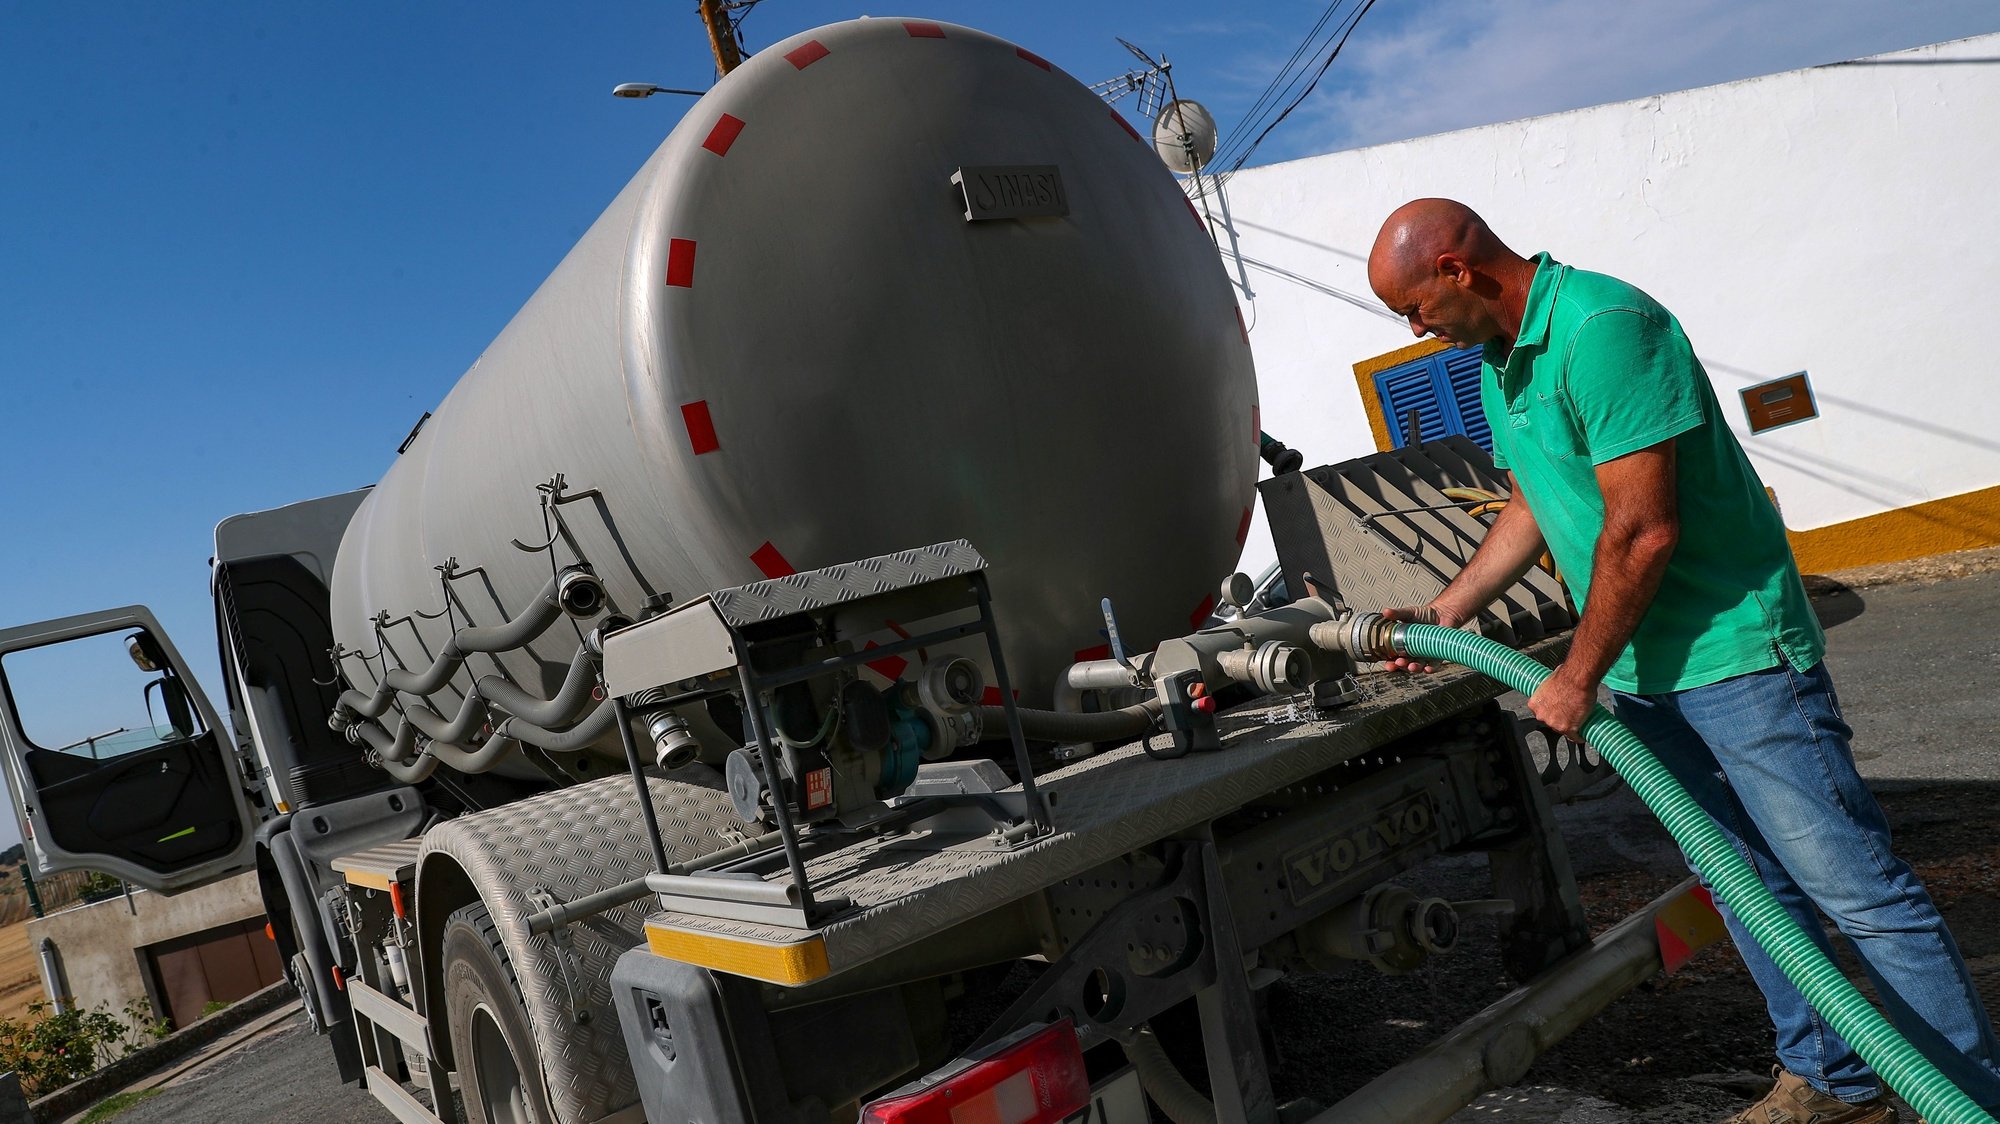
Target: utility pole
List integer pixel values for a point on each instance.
(721, 36)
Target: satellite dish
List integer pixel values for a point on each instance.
(1184, 136)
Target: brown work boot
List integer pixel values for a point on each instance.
(1792, 1101)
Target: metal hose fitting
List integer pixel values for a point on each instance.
(675, 746)
(1364, 636)
(1273, 667)
(579, 593)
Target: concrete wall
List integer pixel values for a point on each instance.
(1837, 220)
(99, 943)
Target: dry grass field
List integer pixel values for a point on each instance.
(20, 978)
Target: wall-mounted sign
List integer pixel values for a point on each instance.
(1779, 402)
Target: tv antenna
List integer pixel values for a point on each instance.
(1152, 82)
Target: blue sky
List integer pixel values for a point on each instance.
(246, 245)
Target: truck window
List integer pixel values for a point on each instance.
(91, 700)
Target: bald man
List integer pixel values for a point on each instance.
(1694, 615)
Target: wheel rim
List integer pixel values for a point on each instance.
(501, 1089)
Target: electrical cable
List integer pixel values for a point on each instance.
(1279, 81)
(1350, 26)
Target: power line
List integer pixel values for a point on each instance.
(1349, 31)
(1280, 79)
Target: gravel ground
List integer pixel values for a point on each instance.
(1917, 663)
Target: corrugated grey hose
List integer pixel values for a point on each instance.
(546, 713)
(1072, 726)
(395, 752)
(533, 621)
(1164, 1082)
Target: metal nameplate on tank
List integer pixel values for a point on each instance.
(1015, 191)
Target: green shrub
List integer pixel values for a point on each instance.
(51, 1050)
(97, 886)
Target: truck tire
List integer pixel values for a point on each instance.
(499, 1072)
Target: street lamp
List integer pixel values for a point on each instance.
(647, 90)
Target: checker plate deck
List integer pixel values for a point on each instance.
(378, 867)
(1104, 807)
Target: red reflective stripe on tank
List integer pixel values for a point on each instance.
(899, 630)
(1100, 652)
(723, 135)
(1196, 214)
(921, 30)
(1256, 414)
(1127, 126)
(1033, 57)
(991, 696)
(807, 54)
(771, 562)
(888, 667)
(1243, 528)
(1202, 611)
(1241, 328)
(680, 262)
(700, 427)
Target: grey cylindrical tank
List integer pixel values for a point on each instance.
(783, 346)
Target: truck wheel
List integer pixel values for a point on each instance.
(498, 1071)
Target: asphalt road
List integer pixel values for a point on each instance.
(1917, 667)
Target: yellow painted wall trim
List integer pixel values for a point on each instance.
(1364, 380)
(1962, 522)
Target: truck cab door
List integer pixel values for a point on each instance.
(115, 758)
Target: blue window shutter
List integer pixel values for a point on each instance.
(1461, 376)
(1412, 386)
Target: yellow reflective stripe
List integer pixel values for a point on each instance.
(793, 963)
(367, 878)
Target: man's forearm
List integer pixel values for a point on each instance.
(1511, 545)
(1626, 569)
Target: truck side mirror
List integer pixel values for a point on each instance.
(145, 653)
(174, 702)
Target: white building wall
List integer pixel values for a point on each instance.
(1843, 220)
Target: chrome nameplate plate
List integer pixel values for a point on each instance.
(1017, 191)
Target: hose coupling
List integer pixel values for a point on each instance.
(1273, 667)
(1364, 636)
(594, 639)
(951, 686)
(579, 593)
(675, 746)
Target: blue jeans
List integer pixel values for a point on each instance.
(1766, 755)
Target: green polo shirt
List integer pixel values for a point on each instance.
(1601, 370)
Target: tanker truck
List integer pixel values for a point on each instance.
(804, 614)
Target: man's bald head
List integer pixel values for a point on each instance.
(1437, 264)
(1419, 232)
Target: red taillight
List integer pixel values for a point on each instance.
(1038, 1080)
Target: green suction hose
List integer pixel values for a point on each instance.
(1906, 1070)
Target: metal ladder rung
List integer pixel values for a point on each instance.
(397, 1099)
(391, 1015)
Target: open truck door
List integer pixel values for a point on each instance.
(115, 758)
